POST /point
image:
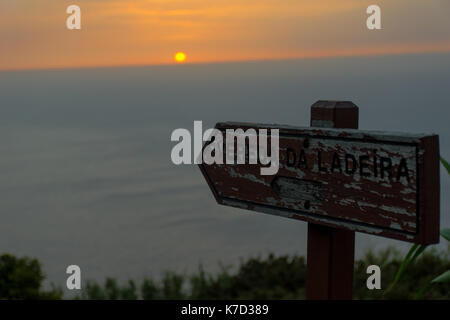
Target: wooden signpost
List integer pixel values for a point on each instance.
(340, 180)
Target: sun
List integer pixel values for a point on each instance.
(180, 57)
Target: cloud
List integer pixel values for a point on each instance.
(121, 32)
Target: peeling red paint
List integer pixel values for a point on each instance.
(392, 191)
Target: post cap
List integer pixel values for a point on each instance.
(334, 114)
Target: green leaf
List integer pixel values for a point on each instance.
(445, 164)
(412, 255)
(417, 253)
(445, 233)
(445, 277)
(419, 294)
(405, 263)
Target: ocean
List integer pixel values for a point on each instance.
(86, 174)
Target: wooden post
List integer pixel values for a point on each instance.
(404, 206)
(330, 253)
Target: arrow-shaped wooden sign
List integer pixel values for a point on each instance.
(381, 183)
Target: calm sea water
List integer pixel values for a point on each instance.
(86, 176)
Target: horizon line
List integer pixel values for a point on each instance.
(230, 61)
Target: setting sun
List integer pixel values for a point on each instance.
(160, 32)
(180, 57)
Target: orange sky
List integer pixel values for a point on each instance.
(33, 34)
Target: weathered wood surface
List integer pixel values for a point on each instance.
(331, 251)
(375, 182)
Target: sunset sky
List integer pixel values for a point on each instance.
(33, 34)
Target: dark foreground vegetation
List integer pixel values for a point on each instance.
(272, 277)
